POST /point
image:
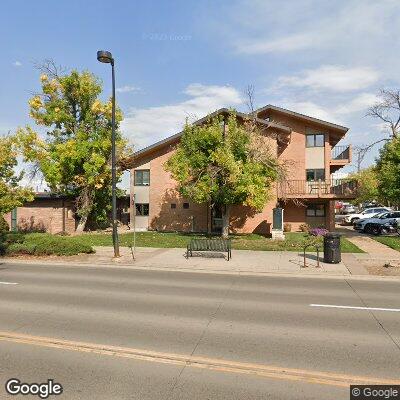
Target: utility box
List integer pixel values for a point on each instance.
(332, 252)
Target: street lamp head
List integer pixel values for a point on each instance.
(105, 57)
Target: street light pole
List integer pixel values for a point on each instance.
(106, 57)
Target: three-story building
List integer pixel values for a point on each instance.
(309, 147)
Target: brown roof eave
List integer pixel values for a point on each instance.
(330, 125)
(224, 111)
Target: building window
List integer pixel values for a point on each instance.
(142, 209)
(317, 140)
(142, 177)
(315, 175)
(173, 205)
(186, 205)
(315, 210)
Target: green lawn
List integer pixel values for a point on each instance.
(391, 241)
(240, 242)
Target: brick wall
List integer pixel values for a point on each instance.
(45, 214)
(163, 193)
(294, 214)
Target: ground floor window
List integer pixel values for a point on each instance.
(142, 209)
(315, 210)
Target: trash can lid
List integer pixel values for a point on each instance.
(333, 235)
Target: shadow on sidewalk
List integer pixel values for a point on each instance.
(204, 254)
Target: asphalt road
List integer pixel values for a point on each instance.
(194, 336)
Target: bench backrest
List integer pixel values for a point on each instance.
(210, 244)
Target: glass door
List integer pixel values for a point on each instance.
(216, 219)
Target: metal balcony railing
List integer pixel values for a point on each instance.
(340, 152)
(322, 188)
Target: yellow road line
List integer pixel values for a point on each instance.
(267, 371)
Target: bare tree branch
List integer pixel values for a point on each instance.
(249, 93)
(50, 68)
(388, 110)
(362, 151)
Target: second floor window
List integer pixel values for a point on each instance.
(142, 177)
(315, 175)
(317, 140)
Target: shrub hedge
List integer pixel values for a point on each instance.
(44, 244)
(3, 224)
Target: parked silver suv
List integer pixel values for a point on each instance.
(367, 213)
(364, 225)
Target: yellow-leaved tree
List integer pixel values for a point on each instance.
(11, 193)
(75, 155)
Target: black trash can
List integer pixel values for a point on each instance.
(332, 253)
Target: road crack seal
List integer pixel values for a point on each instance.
(210, 320)
(374, 316)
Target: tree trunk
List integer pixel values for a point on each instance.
(84, 206)
(209, 218)
(225, 221)
(82, 224)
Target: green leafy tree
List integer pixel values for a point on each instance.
(224, 163)
(11, 194)
(367, 185)
(75, 157)
(388, 171)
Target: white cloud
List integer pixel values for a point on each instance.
(127, 89)
(338, 111)
(144, 126)
(289, 43)
(312, 25)
(359, 103)
(17, 64)
(332, 77)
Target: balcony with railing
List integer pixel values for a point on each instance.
(340, 156)
(328, 189)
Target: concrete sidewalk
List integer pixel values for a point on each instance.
(243, 261)
(376, 255)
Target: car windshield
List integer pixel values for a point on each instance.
(382, 215)
(368, 211)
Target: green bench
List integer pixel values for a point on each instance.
(216, 245)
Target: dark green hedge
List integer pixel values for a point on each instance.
(40, 244)
(3, 225)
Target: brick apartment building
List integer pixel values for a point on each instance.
(309, 146)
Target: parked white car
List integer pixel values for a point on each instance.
(348, 209)
(367, 213)
(382, 218)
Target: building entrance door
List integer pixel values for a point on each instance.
(216, 219)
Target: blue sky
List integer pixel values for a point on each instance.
(178, 59)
